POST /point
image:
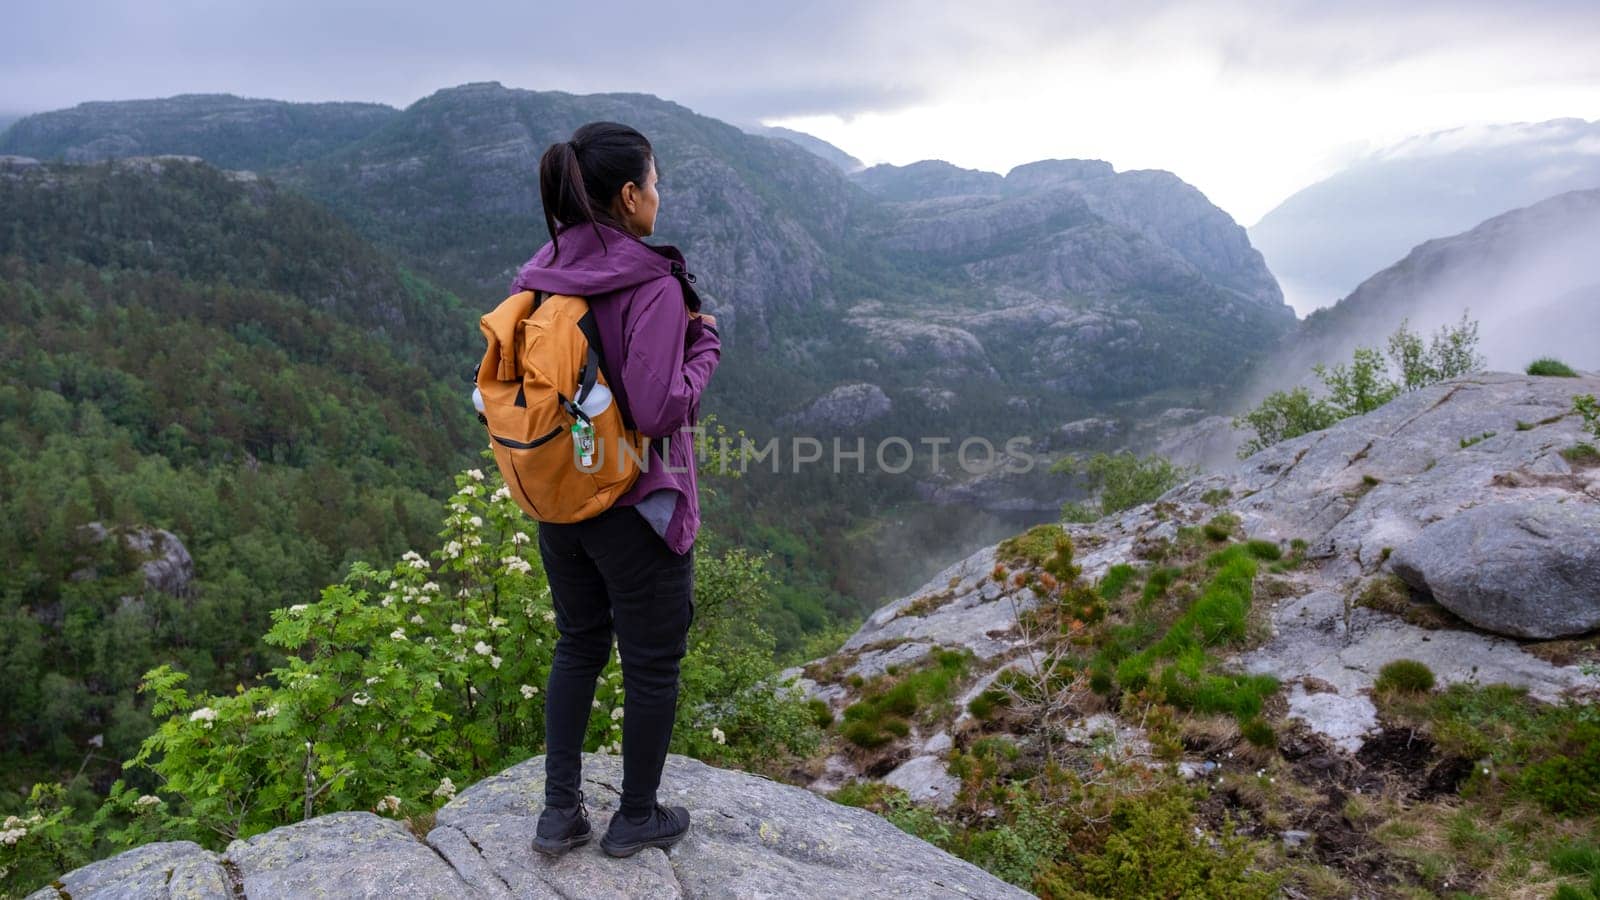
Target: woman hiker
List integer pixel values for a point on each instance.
(629, 569)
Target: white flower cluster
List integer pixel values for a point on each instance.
(146, 801)
(399, 634)
(414, 559)
(268, 712)
(517, 564)
(616, 713)
(446, 789)
(457, 628)
(452, 550)
(298, 608)
(482, 649)
(16, 829)
(528, 691)
(520, 537)
(360, 698)
(204, 714)
(503, 493)
(475, 474)
(389, 804)
(494, 662)
(718, 735)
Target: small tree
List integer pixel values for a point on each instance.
(1284, 415)
(1361, 387)
(1451, 353)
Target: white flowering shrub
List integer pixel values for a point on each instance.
(397, 681)
(402, 686)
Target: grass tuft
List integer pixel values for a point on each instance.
(1550, 366)
(1405, 675)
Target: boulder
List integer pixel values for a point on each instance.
(1527, 569)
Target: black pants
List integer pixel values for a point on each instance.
(613, 572)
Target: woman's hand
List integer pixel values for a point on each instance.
(706, 318)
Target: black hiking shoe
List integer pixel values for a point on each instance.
(665, 826)
(562, 829)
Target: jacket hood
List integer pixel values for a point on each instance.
(595, 260)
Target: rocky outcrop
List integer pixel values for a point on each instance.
(750, 837)
(162, 557)
(1395, 491)
(846, 406)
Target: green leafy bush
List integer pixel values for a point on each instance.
(1589, 409)
(1123, 480)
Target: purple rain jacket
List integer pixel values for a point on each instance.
(657, 358)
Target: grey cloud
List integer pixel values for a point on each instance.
(736, 60)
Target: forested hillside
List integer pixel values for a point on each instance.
(187, 350)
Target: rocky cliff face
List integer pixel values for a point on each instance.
(1089, 281)
(1499, 538)
(749, 837)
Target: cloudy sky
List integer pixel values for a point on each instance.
(1248, 101)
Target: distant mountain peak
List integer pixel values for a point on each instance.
(810, 142)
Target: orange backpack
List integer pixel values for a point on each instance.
(557, 433)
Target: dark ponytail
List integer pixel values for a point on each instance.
(579, 178)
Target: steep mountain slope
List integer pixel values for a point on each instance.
(1530, 277)
(231, 132)
(453, 183)
(1325, 239)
